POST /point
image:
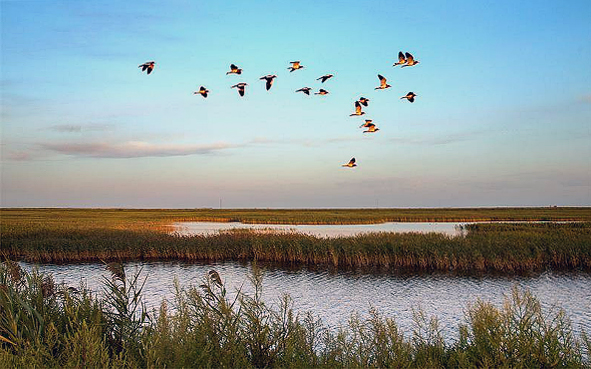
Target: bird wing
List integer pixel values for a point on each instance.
(401, 58)
(296, 64)
(357, 107)
(409, 58)
(150, 69)
(352, 161)
(241, 91)
(269, 83)
(233, 67)
(382, 80)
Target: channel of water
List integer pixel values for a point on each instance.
(333, 295)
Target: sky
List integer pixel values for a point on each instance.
(502, 116)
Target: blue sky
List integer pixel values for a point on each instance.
(503, 115)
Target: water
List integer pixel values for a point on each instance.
(334, 295)
(320, 230)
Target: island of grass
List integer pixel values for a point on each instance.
(563, 242)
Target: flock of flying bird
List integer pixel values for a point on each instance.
(404, 60)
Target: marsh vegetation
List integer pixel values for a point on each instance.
(60, 236)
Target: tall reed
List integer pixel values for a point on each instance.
(508, 248)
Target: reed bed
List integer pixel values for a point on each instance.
(505, 248)
(46, 325)
(101, 218)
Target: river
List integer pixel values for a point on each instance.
(333, 295)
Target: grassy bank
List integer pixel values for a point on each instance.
(504, 248)
(126, 218)
(44, 325)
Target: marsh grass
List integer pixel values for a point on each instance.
(493, 247)
(208, 326)
(159, 218)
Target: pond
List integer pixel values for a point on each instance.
(334, 295)
(319, 230)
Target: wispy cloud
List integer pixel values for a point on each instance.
(75, 128)
(135, 149)
(19, 156)
(440, 140)
(306, 142)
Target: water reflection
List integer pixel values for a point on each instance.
(319, 230)
(334, 295)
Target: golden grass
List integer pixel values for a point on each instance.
(134, 235)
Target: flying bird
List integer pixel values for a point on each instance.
(350, 164)
(269, 78)
(295, 65)
(367, 124)
(321, 92)
(202, 91)
(147, 66)
(357, 110)
(401, 59)
(234, 70)
(410, 61)
(305, 90)
(240, 86)
(383, 85)
(363, 101)
(324, 77)
(371, 129)
(410, 96)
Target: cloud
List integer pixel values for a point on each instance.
(134, 149)
(440, 140)
(19, 156)
(306, 142)
(74, 128)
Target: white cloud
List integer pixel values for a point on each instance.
(135, 149)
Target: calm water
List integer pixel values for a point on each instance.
(332, 296)
(320, 230)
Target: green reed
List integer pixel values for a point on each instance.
(45, 325)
